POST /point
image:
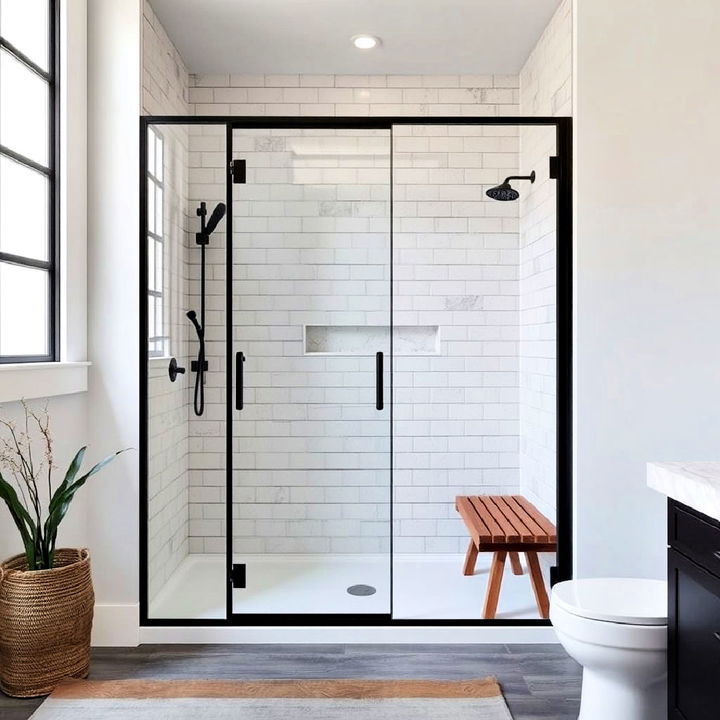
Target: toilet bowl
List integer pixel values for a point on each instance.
(616, 628)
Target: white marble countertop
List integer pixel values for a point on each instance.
(696, 484)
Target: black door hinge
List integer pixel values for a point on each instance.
(238, 171)
(238, 576)
(554, 167)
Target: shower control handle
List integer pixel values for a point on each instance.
(174, 370)
(239, 380)
(379, 401)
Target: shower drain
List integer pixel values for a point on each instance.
(361, 590)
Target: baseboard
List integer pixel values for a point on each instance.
(116, 626)
(349, 635)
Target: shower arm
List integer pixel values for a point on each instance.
(530, 177)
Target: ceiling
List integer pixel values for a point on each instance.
(313, 36)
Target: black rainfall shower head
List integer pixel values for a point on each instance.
(504, 191)
(217, 215)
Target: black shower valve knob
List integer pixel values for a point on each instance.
(174, 370)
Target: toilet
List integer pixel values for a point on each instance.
(616, 628)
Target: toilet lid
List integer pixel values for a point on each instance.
(632, 601)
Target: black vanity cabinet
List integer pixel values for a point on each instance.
(693, 614)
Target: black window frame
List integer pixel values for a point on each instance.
(51, 172)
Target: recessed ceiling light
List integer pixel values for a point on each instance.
(365, 42)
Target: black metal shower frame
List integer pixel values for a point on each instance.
(562, 171)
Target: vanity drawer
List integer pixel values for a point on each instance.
(695, 537)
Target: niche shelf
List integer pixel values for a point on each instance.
(368, 339)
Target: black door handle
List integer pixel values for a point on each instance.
(379, 404)
(239, 380)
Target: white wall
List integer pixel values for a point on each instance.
(68, 413)
(69, 431)
(114, 41)
(647, 267)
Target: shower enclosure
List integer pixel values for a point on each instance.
(343, 331)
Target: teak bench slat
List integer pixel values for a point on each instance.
(506, 525)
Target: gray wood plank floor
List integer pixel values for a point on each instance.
(538, 681)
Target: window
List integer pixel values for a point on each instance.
(28, 181)
(157, 337)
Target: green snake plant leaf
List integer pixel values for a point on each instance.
(22, 519)
(70, 475)
(64, 495)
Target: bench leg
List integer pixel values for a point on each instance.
(470, 559)
(538, 584)
(494, 581)
(515, 563)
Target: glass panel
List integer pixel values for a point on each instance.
(158, 317)
(475, 414)
(24, 99)
(158, 244)
(151, 151)
(23, 310)
(159, 210)
(151, 205)
(23, 210)
(25, 24)
(152, 332)
(152, 285)
(186, 452)
(158, 158)
(311, 478)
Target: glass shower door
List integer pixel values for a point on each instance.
(311, 348)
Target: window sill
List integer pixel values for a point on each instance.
(41, 380)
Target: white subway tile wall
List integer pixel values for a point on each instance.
(359, 95)
(164, 92)
(546, 82)
(455, 266)
(311, 246)
(207, 433)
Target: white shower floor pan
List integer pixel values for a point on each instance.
(425, 587)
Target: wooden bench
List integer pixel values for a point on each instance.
(506, 524)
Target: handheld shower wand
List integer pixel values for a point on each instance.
(200, 366)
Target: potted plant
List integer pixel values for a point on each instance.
(46, 593)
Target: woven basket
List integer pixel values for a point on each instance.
(45, 623)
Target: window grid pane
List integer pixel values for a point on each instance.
(159, 266)
(28, 170)
(23, 310)
(24, 227)
(157, 339)
(151, 265)
(26, 24)
(158, 210)
(24, 124)
(151, 205)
